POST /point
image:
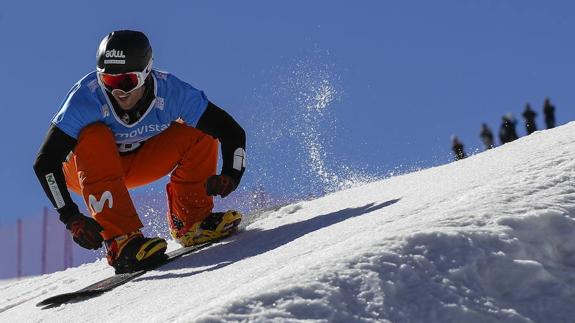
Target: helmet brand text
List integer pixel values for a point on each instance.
(114, 53)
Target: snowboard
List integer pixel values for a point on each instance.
(112, 282)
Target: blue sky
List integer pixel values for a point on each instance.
(400, 77)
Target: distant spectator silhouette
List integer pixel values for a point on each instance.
(486, 136)
(457, 148)
(529, 116)
(549, 111)
(507, 131)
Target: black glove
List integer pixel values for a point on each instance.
(85, 231)
(220, 185)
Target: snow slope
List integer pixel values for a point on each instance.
(487, 239)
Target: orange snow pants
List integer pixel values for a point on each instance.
(102, 176)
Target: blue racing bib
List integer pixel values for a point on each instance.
(87, 103)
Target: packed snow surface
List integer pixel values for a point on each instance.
(487, 239)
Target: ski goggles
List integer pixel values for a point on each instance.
(125, 82)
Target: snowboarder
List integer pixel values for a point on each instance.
(529, 116)
(549, 111)
(486, 136)
(126, 125)
(457, 148)
(507, 131)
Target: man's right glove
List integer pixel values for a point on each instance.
(85, 231)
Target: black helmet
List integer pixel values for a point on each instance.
(124, 51)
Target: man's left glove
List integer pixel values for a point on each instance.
(221, 185)
(85, 231)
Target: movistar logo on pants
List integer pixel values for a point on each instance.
(98, 205)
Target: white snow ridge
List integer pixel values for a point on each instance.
(487, 239)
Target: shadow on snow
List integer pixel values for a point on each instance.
(251, 243)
